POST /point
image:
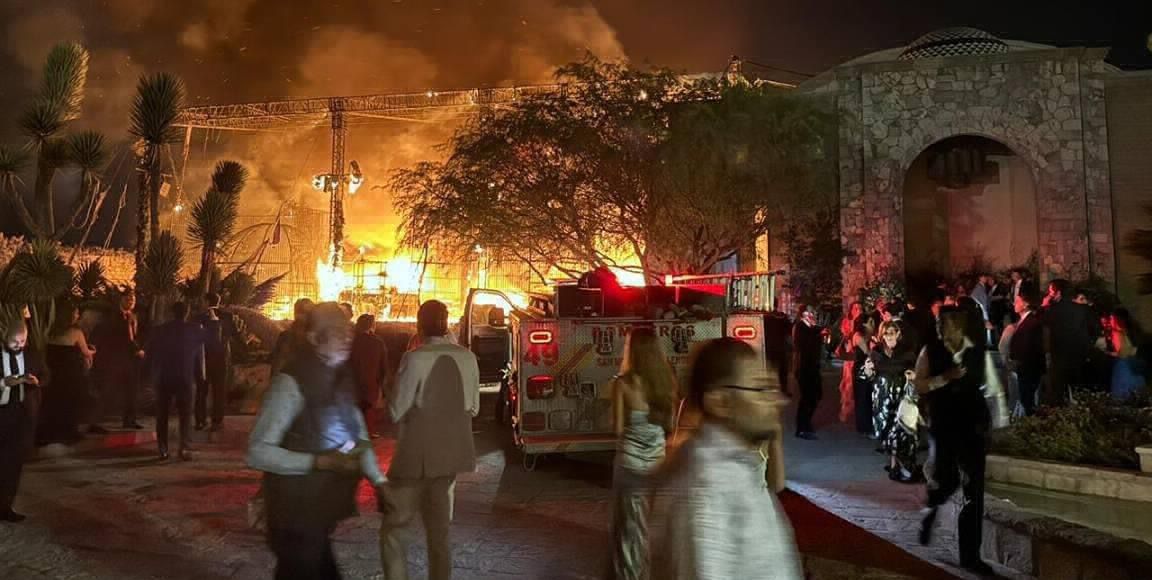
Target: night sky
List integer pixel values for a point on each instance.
(248, 50)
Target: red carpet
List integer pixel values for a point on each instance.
(823, 535)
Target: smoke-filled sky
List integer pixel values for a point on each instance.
(252, 50)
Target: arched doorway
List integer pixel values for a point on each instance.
(969, 204)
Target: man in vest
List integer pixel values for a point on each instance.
(311, 443)
(436, 395)
(21, 373)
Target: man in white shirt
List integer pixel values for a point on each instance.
(723, 521)
(437, 393)
(22, 373)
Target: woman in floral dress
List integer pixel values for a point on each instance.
(889, 368)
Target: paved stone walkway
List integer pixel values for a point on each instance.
(843, 474)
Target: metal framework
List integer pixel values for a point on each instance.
(309, 112)
(341, 111)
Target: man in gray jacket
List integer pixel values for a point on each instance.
(436, 395)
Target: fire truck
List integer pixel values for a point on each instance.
(549, 359)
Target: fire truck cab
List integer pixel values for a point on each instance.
(550, 360)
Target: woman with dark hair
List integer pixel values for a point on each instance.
(644, 397)
(1128, 372)
(861, 386)
(889, 367)
(950, 375)
(68, 356)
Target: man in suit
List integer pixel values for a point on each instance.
(23, 372)
(118, 354)
(1068, 339)
(808, 343)
(370, 363)
(1026, 352)
(437, 392)
(219, 330)
(175, 365)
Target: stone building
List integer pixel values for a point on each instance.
(964, 149)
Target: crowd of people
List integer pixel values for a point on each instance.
(91, 365)
(944, 370)
(313, 444)
(949, 367)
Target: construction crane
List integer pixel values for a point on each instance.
(340, 112)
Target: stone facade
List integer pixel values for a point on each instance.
(1046, 104)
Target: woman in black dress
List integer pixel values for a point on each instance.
(861, 385)
(889, 367)
(68, 357)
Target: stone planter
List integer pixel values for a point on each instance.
(1086, 480)
(1145, 453)
(1049, 548)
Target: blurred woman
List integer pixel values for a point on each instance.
(846, 352)
(644, 397)
(889, 367)
(68, 357)
(1129, 370)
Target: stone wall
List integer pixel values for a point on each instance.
(1046, 105)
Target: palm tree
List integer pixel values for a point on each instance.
(57, 104)
(159, 98)
(214, 218)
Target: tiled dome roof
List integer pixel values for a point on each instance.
(954, 42)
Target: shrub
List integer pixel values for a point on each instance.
(1095, 429)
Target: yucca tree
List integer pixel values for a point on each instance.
(87, 152)
(57, 104)
(90, 280)
(160, 277)
(35, 278)
(159, 98)
(214, 218)
(12, 162)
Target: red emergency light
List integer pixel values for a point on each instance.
(540, 337)
(541, 387)
(744, 332)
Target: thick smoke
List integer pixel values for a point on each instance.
(230, 51)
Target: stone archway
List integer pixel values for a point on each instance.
(969, 202)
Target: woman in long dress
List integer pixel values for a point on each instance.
(68, 357)
(644, 397)
(890, 368)
(861, 386)
(1128, 372)
(847, 352)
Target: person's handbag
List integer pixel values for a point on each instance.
(908, 412)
